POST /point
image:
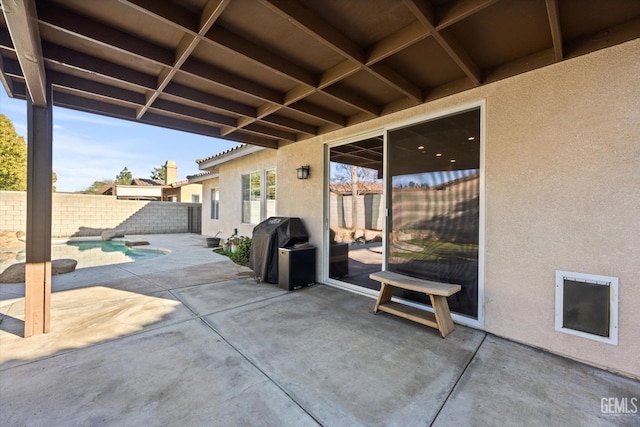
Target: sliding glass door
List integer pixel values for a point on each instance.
(420, 218)
(433, 198)
(356, 211)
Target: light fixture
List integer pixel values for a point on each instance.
(452, 160)
(438, 154)
(471, 138)
(421, 147)
(303, 172)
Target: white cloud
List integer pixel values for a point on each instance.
(63, 114)
(79, 160)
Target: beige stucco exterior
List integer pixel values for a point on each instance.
(184, 193)
(228, 180)
(561, 185)
(562, 192)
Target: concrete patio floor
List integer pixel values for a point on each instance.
(190, 339)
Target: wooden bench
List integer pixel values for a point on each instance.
(438, 293)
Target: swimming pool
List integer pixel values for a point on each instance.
(89, 253)
(96, 252)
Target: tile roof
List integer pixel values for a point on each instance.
(146, 182)
(222, 154)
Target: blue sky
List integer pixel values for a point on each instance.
(89, 147)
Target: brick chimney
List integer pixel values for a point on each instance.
(170, 172)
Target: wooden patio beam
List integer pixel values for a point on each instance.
(193, 112)
(211, 12)
(195, 29)
(22, 22)
(396, 42)
(426, 15)
(169, 12)
(7, 83)
(56, 16)
(260, 56)
(456, 11)
(207, 99)
(311, 24)
(290, 124)
(90, 87)
(316, 111)
(95, 65)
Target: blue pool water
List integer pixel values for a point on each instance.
(94, 253)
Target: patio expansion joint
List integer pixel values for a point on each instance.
(455, 385)
(255, 365)
(222, 310)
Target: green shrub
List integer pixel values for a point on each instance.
(244, 250)
(241, 256)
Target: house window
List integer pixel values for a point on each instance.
(271, 193)
(251, 198)
(215, 203)
(195, 198)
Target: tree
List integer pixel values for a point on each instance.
(353, 175)
(54, 179)
(159, 173)
(13, 157)
(124, 177)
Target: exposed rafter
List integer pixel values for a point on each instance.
(427, 17)
(311, 24)
(211, 12)
(272, 72)
(456, 11)
(22, 22)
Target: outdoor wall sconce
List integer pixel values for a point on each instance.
(303, 172)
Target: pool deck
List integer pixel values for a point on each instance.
(191, 339)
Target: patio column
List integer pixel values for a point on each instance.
(38, 261)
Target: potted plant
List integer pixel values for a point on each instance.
(213, 242)
(235, 240)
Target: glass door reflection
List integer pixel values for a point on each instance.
(356, 212)
(434, 194)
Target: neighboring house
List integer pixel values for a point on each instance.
(169, 190)
(239, 188)
(182, 191)
(140, 189)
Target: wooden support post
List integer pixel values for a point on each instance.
(39, 206)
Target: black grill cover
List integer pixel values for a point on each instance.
(268, 236)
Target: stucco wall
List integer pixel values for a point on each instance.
(230, 184)
(88, 215)
(562, 192)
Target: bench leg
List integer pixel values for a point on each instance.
(442, 314)
(386, 292)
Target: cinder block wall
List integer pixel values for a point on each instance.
(76, 215)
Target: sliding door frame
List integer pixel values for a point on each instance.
(378, 132)
(383, 131)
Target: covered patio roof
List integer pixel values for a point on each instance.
(275, 72)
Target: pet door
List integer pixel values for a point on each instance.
(587, 306)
